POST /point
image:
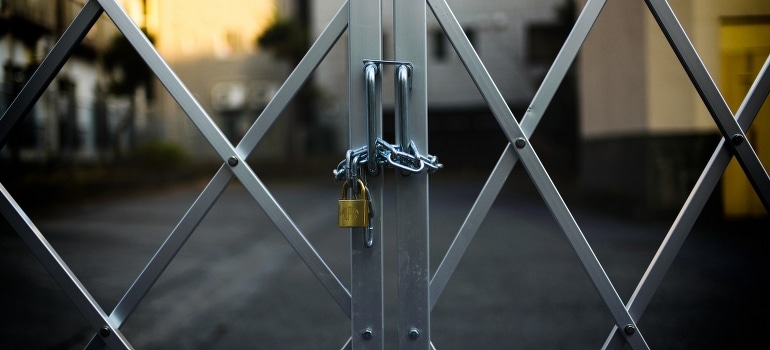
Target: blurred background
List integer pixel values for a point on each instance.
(626, 123)
(626, 135)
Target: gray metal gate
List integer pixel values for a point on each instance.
(369, 156)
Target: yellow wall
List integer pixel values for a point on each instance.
(673, 103)
(745, 47)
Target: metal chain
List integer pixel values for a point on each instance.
(408, 161)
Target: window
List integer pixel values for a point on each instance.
(441, 45)
(544, 41)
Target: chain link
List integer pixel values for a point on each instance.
(408, 161)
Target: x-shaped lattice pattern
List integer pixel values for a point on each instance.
(107, 326)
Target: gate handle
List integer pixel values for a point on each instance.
(370, 73)
(371, 69)
(403, 73)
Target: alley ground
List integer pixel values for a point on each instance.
(237, 284)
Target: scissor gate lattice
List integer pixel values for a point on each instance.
(418, 293)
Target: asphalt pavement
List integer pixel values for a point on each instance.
(237, 284)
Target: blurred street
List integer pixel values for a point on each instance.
(237, 284)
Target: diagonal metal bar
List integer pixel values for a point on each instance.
(536, 171)
(169, 79)
(224, 176)
(160, 261)
(712, 98)
(692, 208)
(347, 345)
(227, 152)
(208, 197)
(61, 273)
(509, 158)
(317, 52)
(219, 182)
(50, 66)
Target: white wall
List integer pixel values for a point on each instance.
(611, 76)
(500, 28)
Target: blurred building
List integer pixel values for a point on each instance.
(73, 115)
(646, 133)
(105, 102)
(213, 49)
(629, 118)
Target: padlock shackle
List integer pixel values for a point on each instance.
(361, 186)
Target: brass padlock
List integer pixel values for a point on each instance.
(353, 212)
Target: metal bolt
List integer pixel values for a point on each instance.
(367, 334)
(233, 161)
(520, 143)
(105, 331)
(629, 329)
(414, 333)
(738, 139)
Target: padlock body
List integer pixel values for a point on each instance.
(353, 213)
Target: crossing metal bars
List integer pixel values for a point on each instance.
(417, 292)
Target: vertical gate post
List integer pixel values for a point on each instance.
(412, 191)
(366, 287)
